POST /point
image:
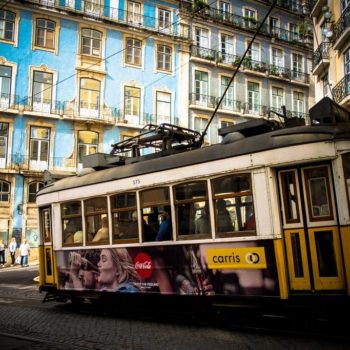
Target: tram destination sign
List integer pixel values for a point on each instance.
(236, 258)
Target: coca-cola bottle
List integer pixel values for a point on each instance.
(197, 272)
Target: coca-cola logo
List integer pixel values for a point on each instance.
(143, 265)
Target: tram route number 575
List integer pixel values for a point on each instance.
(136, 182)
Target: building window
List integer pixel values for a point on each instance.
(277, 99)
(253, 97)
(294, 32)
(163, 107)
(254, 52)
(5, 86)
(298, 104)
(224, 7)
(42, 91)
(96, 220)
(233, 204)
(134, 13)
(133, 51)
(249, 18)
(164, 54)
(91, 41)
(228, 101)
(72, 224)
(164, 20)
(7, 25)
(5, 191)
(192, 209)
(4, 131)
(124, 218)
(201, 87)
(325, 85)
(45, 33)
(87, 144)
(277, 57)
(200, 123)
(226, 42)
(274, 26)
(91, 7)
(132, 104)
(297, 61)
(39, 147)
(201, 37)
(347, 62)
(89, 97)
(33, 188)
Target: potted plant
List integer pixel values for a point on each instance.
(200, 5)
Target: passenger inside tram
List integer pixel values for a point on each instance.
(223, 218)
(103, 233)
(165, 229)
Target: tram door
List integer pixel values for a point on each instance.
(311, 231)
(46, 272)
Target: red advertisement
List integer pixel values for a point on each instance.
(201, 269)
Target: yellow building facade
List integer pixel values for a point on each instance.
(331, 57)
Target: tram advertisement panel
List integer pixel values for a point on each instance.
(199, 269)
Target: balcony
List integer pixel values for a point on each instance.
(316, 7)
(201, 100)
(9, 102)
(96, 11)
(341, 92)
(251, 24)
(204, 53)
(287, 74)
(320, 59)
(294, 6)
(341, 30)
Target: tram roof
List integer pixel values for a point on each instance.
(264, 142)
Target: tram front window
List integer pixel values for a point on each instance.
(125, 218)
(96, 220)
(233, 204)
(72, 230)
(156, 215)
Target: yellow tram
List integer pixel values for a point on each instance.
(263, 215)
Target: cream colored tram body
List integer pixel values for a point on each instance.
(264, 217)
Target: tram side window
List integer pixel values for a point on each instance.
(156, 214)
(192, 209)
(346, 167)
(124, 216)
(233, 204)
(96, 220)
(72, 230)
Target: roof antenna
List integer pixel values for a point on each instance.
(201, 140)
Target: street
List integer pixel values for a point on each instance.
(27, 323)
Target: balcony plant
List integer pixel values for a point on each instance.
(200, 5)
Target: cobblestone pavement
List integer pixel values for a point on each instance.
(28, 324)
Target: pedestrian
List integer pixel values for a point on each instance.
(2, 253)
(24, 251)
(12, 250)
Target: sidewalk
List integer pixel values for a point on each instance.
(8, 266)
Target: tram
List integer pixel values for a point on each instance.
(263, 216)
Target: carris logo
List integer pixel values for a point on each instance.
(143, 265)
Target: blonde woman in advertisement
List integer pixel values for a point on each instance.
(116, 271)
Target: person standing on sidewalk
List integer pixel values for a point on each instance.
(24, 251)
(2, 253)
(12, 250)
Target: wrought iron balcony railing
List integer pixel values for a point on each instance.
(341, 25)
(203, 100)
(322, 52)
(203, 52)
(89, 8)
(8, 102)
(342, 89)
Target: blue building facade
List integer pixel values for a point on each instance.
(76, 77)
